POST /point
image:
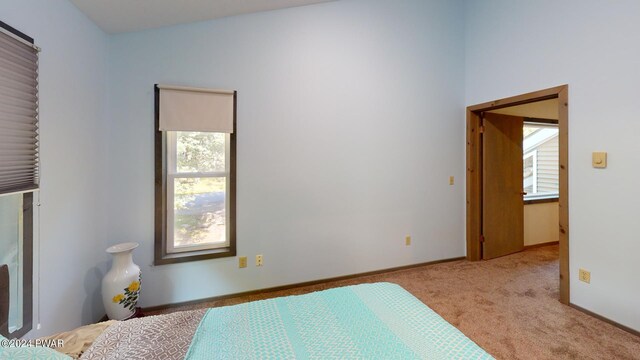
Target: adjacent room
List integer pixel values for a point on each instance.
(332, 179)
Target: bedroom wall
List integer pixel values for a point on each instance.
(541, 223)
(350, 122)
(517, 47)
(73, 144)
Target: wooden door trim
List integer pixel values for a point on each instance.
(535, 96)
(474, 174)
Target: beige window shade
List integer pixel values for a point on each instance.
(195, 109)
(19, 147)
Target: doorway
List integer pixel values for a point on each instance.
(477, 174)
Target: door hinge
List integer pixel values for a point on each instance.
(481, 238)
(481, 129)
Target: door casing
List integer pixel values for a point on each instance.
(474, 174)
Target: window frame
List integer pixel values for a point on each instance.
(530, 199)
(27, 235)
(162, 142)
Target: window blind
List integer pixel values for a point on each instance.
(19, 153)
(196, 109)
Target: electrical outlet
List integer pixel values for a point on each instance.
(258, 260)
(585, 276)
(407, 240)
(451, 180)
(242, 262)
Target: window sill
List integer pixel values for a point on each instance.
(182, 257)
(541, 199)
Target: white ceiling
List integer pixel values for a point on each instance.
(116, 16)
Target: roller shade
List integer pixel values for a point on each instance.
(195, 109)
(19, 153)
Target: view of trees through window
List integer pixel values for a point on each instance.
(200, 189)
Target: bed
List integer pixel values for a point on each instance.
(367, 321)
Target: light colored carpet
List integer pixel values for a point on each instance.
(509, 306)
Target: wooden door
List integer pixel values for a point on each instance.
(502, 202)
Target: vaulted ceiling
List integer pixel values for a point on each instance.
(116, 16)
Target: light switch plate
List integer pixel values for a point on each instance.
(584, 276)
(599, 160)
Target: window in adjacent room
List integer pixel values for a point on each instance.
(540, 160)
(530, 176)
(19, 177)
(195, 174)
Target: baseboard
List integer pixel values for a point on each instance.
(295, 285)
(600, 317)
(527, 247)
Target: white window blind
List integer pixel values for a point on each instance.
(195, 109)
(19, 153)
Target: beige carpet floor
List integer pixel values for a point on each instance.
(509, 306)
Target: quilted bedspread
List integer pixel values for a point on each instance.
(368, 321)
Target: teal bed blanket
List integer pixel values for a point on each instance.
(368, 321)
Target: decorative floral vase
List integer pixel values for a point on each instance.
(121, 285)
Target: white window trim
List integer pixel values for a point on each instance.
(173, 174)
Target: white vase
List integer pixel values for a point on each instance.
(121, 285)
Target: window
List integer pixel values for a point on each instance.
(195, 174)
(197, 181)
(16, 262)
(540, 160)
(19, 177)
(530, 175)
